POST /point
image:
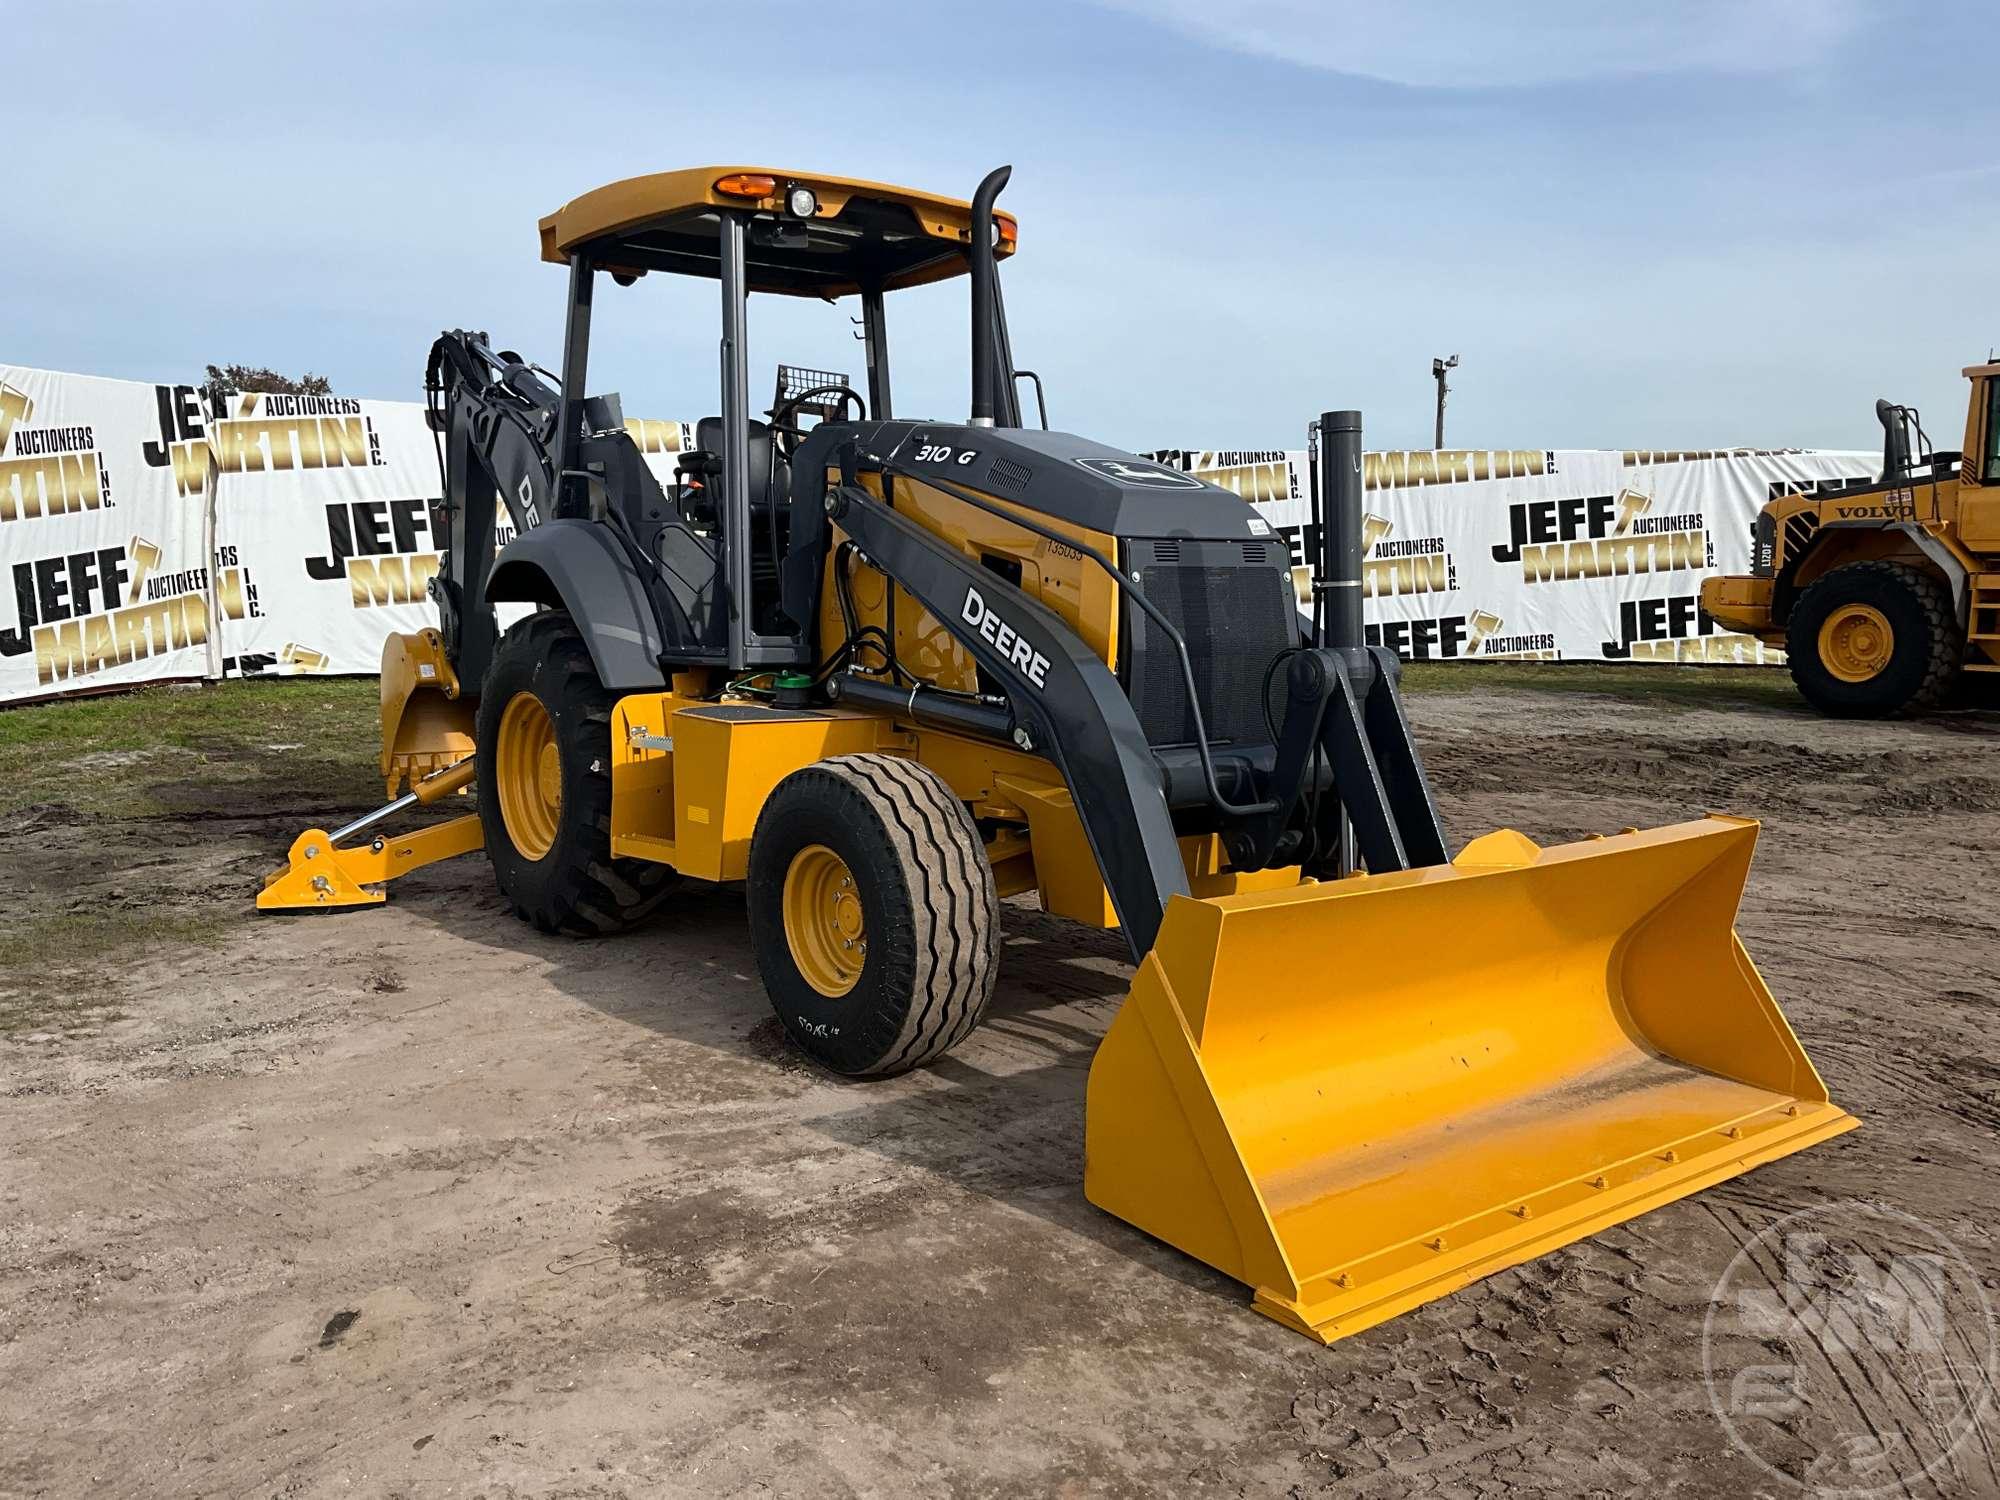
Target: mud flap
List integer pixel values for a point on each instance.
(1360, 1095)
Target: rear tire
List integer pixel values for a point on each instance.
(1873, 639)
(544, 777)
(873, 913)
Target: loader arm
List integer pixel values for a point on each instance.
(1063, 697)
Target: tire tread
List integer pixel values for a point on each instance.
(948, 960)
(594, 893)
(1944, 650)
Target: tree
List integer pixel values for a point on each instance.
(246, 378)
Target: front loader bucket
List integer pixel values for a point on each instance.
(1360, 1095)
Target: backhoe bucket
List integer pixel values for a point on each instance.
(426, 725)
(1360, 1095)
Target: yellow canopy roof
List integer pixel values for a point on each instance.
(860, 234)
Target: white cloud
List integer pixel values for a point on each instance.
(1515, 43)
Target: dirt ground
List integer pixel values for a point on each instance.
(418, 1202)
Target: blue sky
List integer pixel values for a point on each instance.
(1684, 224)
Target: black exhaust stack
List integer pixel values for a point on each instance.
(985, 296)
(1337, 580)
(1895, 440)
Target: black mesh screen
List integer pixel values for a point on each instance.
(1235, 619)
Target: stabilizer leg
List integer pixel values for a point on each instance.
(320, 876)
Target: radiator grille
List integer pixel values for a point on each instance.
(1235, 621)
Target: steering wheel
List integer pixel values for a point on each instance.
(787, 434)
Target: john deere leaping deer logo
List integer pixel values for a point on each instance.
(1138, 473)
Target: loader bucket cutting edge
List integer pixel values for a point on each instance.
(1361, 1095)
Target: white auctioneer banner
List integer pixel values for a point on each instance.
(147, 536)
(1542, 554)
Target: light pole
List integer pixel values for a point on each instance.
(1438, 369)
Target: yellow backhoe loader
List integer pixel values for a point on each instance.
(887, 671)
(1883, 591)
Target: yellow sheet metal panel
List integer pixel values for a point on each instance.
(1208, 873)
(1979, 522)
(642, 777)
(1739, 602)
(1055, 573)
(1065, 866)
(1478, 1063)
(727, 759)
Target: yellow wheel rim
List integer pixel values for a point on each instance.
(823, 921)
(528, 768)
(1856, 642)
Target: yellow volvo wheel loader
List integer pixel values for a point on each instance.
(1883, 591)
(887, 671)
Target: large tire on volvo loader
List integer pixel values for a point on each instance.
(1873, 639)
(873, 913)
(544, 776)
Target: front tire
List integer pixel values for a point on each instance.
(544, 776)
(1873, 639)
(873, 913)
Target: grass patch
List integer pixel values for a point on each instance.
(1659, 685)
(123, 754)
(49, 980)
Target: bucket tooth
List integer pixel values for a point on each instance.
(1361, 1095)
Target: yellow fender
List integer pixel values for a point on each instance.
(1360, 1095)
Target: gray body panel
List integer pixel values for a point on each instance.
(1067, 478)
(577, 565)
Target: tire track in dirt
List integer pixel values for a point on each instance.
(607, 1235)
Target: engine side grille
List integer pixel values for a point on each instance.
(1799, 531)
(1235, 619)
(1008, 475)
